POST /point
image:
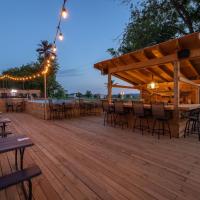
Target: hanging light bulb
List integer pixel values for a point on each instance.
(64, 13)
(53, 57)
(54, 49)
(60, 36)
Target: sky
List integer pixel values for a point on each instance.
(93, 26)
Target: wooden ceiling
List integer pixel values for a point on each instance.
(139, 66)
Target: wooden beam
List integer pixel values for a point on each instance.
(185, 80)
(123, 86)
(119, 76)
(145, 64)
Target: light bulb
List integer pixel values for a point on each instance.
(54, 49)
(53, 57)
(64, 13)
(60, 36)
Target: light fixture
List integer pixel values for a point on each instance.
(53, 57)
(152, 85)
(64, 13)
(60, 36)
(54, 49)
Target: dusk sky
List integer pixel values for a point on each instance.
(92, 28)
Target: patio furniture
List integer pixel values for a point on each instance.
(9, 106)
(68, 110)
(108, 112)
(17, 144)
(25, 175)
(142, 116)
(20, 106)
(120, 114)
(161, 118)
(4, 123)
(54, 110)
(193, 123)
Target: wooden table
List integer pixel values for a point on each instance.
(17, 144)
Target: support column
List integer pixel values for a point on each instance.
(197, 95)
(176, 84)
(109, 87)
(176, 99)
(45, 96)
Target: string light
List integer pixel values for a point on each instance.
(60, 36)
(50, 58)
(64, 13)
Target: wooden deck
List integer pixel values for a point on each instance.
(82, 159)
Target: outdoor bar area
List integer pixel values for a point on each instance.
(167, 73)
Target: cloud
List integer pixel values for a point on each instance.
(69, 72)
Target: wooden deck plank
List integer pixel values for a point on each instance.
(82, 159)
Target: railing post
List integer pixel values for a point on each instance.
(109, 88)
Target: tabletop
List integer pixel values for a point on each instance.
(15, 142)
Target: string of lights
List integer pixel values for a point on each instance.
(48, 58)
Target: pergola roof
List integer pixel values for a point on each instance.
(139, 66)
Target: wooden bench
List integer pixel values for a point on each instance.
(20, 177)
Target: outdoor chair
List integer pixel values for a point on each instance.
(193, 123)
(108, 112)
(140, 115)
(20, 107)
(9, 106)
(121, 115)
(53, 110)
(68, 110)
(161, 118)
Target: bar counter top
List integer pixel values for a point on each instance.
(182, 107)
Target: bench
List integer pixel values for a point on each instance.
(20, 177)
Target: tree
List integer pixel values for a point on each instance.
(44, 48)
(155, 21)
(88, 94)
(34, 67)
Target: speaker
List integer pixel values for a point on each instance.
(184, 53)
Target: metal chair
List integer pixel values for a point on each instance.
(141, 115)
(160, 116)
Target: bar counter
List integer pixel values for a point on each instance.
(178, 119)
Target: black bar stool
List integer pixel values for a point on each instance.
(142, 116)
(161, 118)
(193, 123)
(120, 114)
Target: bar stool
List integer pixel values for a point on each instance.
(160, 118)
(141, 115)
(108, 112)
(120, 114)
(193, 123)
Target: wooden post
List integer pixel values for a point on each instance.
(109, 88)
(176, 84)
(197, 95)
(176, 98)
(45, 96)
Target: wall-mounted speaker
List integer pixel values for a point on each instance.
(184, 53)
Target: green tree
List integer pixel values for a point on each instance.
(88, 94)
(155, 21)
(43, 50)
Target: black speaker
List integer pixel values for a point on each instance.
(184, 53)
